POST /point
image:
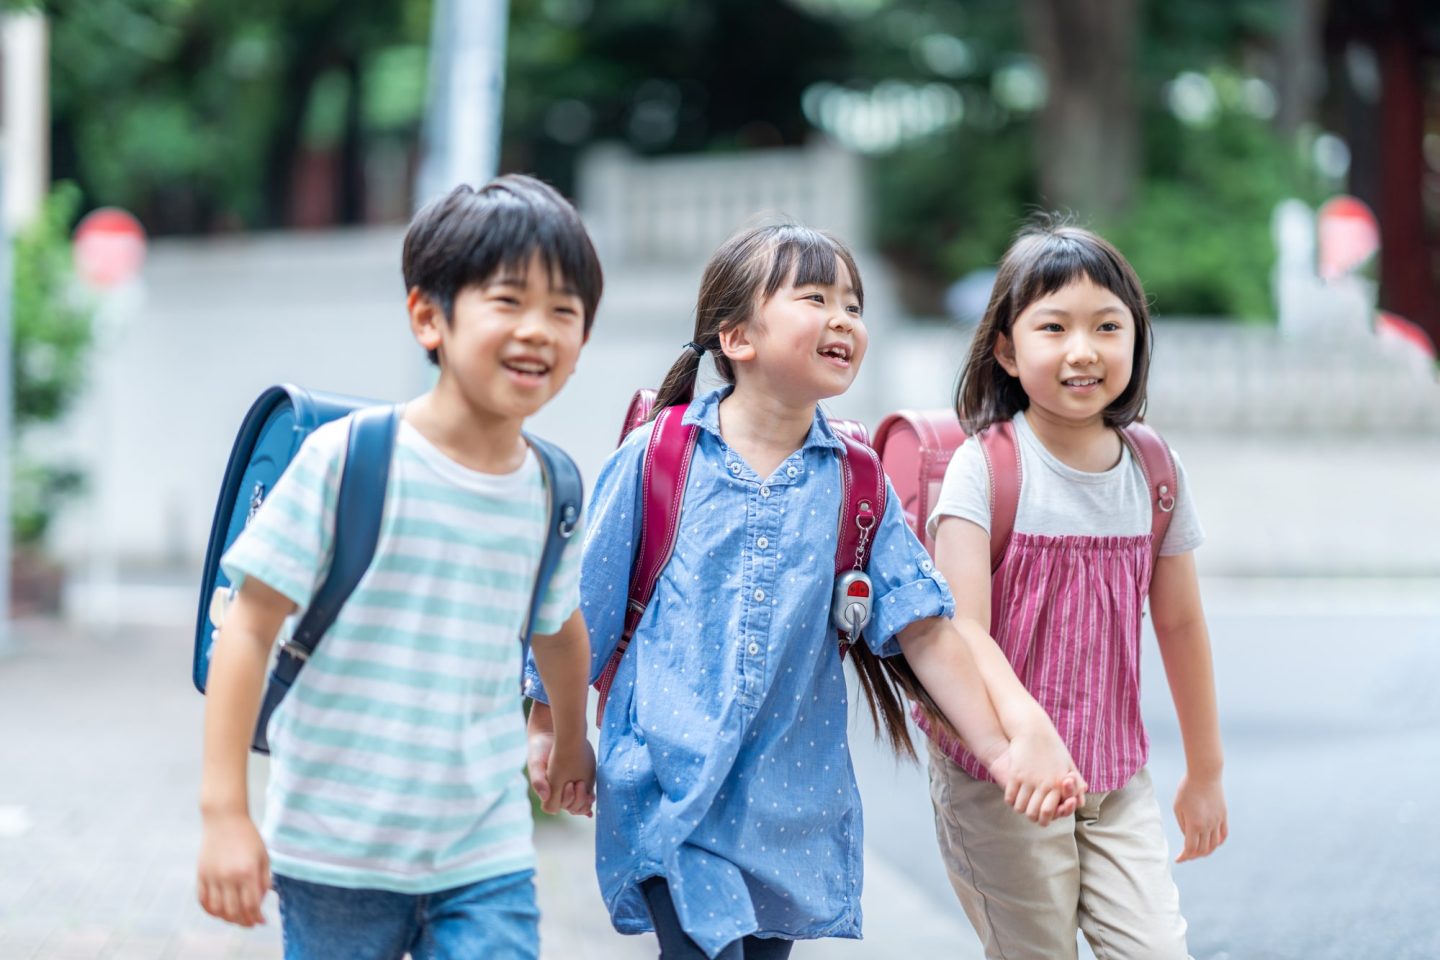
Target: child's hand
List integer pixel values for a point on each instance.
(234, 871)
(1200, 811)
(1041, 780)
(571, 768)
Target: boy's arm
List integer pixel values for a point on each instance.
(234, 871)
(962, 552)
(558, 727)
(1179, 621)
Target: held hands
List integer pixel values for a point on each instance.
(570, 766)
(234, 871)
(1041, 781)
(1200, 811)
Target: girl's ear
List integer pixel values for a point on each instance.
(735, 343)
(426, 319)
(1004, 351)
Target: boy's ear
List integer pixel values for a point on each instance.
(735, 343)
(426, 319)
(1005, 354)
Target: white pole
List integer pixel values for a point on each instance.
(7, 402)
(467, 89)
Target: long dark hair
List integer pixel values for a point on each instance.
(1048, 254)
(749, 268)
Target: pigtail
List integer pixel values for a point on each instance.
(679, 384)
(887, 682)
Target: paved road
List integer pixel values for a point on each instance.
(99, 763)
(1330, 704)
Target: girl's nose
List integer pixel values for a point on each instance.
(842, 321)
(1081, 350)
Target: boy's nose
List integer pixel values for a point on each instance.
(533, 326)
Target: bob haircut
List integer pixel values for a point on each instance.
(1049, 254)
(469, 236)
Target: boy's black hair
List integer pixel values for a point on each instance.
(470, 235)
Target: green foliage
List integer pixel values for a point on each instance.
(51, 325)
(51, 338)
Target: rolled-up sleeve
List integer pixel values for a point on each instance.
(612, 528)
(906, 585)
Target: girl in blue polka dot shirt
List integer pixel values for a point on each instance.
(728, 819)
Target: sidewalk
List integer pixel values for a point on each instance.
(99, 765)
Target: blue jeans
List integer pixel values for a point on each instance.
(496, 919)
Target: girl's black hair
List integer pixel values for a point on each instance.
(748, 269)
(469, 236)
(1048, 254)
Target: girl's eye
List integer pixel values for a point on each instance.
(1109, 326)
(507, 301)
(853, 309)
(816, 297)
(1052, 327)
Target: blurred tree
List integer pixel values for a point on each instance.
(198, 113)
(51, 338)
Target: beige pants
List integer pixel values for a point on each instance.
(1026, 888)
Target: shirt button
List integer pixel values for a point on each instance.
(763, 542)
(764, 491)
(925, 565)
(735, 467)
(791, 472)
(759, 594)
(753, 649)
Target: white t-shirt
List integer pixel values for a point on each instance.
(1058, 500)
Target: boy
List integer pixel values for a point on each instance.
(397, 817)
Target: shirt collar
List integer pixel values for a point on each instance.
(704, 412)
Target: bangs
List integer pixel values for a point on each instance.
(803, 257)
(514, 234)
(1051, 261)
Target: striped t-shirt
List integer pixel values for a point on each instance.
(397, 756)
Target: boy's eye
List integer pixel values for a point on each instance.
(507, 299)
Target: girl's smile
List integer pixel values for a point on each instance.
(1072, 350)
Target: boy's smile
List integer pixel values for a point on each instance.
(509, 344)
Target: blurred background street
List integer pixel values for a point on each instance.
(201, 199)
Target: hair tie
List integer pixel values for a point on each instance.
(699, 350)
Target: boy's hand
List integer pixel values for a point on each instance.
(1200, 811)
(234, 871)
(571, 775)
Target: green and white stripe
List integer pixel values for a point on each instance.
(397, 757)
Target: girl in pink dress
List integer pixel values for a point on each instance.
(1062, 356)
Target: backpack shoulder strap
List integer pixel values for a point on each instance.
(359, 508)
(1002, 460)
(662, 489)
(1162, 481)
(863, 495)
(565, 494)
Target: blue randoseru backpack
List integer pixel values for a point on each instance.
(270, 436)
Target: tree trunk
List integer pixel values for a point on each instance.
(1087, 139)
(1300, 74)
(352, 150)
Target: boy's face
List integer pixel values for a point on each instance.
(511, 342)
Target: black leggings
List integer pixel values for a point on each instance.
(675, 943)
